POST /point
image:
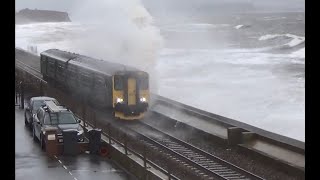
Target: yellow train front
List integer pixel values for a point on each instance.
(130, 94)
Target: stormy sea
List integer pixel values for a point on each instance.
(248, 67)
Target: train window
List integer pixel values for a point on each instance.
(118, 83)
(143, 82)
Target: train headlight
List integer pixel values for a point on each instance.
(143, 99)
(119, 100)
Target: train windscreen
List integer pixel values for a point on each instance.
(143, 82)
(118, 83)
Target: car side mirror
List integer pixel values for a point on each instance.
(78, 120)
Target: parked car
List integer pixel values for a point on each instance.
(51, 116)
(32, 107)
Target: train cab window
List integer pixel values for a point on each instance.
(143, 82)
(118, 83)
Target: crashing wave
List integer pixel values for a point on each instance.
(240, 26)
(296, 40)
(193, 27)
(299, 54)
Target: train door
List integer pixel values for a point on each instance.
(132, 88)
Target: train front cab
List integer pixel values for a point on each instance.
(130, 95)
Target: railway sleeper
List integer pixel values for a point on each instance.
(189, 152)
(197, 155)
(230, 173)
(178, 149)
(208, 163)
(175, 145)
(220, 170)
(182, 151)
(205, 165)
(217, 168)
(244, 178)
(234, 177)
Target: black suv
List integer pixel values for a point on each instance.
(53, 115)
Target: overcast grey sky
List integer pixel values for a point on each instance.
(66, 5)
(60, 5)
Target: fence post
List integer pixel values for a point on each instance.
(145, 157)
(145, 161)
(125, 144)
(109, 133)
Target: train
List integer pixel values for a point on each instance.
(122, 89)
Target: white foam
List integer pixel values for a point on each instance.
(243, 85)
(239, 26)
(299, 54)
(296, 40)
(193, 27)
(272, 18)
(269, 36)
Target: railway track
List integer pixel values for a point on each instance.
(199, 162)
(36, 73)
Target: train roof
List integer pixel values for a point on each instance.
(102, 66)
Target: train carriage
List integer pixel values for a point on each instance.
(104, 84)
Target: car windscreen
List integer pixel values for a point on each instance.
(37, 104)
(143, 82)
(60, 118)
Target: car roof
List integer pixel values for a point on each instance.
(53, 107)
(42, 98)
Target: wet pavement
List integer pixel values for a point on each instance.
(32, 163)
